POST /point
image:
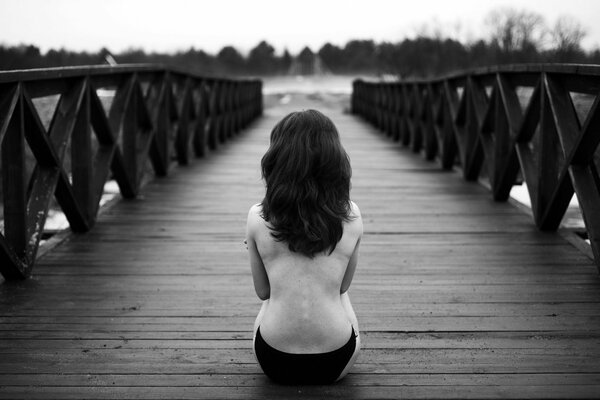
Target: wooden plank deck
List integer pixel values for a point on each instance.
(457, 296)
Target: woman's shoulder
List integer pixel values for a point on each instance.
(255, 210)
(354, 210)
(355, 221)
(255, 218)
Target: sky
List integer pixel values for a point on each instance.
(178, 25)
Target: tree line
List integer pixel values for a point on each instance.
(514, 37)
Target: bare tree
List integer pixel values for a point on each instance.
(566, 35)
(514, 30)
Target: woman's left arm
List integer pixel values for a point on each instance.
(357, 227)
(259, 273)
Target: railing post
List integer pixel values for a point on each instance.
(13, 176)
(200, 133)
(187, 120)
(213, 129)
(81, 158)
(160, 103)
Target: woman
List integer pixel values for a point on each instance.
(303, 241)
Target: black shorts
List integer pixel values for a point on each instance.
(312, 368)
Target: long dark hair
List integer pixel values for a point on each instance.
(307, 174)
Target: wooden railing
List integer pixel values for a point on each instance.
(107, 122)
(540, 123)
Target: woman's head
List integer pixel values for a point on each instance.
(307, 174)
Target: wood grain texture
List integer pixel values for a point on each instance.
(457, 296)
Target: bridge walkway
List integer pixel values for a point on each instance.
(457, 296)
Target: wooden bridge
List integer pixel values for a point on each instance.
(457, 295)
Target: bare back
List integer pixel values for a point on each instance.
(305, 313)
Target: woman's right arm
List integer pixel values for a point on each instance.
(259, 273)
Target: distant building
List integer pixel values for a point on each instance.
(308, 63)
(107, 57)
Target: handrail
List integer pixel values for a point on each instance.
(540, 122)
(153, 112)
